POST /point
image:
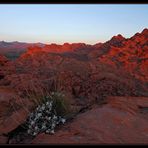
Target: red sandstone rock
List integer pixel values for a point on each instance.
(104, 125)
(3, 60)
(13, 110)
(3, 139)
(132, 55)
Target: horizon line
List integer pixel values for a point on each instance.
(49, 43)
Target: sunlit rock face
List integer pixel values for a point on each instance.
(3, 60)
(131, 56)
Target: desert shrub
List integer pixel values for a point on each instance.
(60, 103)
(48, 114)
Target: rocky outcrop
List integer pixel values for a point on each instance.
(3, 60)
(132, 56)
(119, 121)
(13, 112)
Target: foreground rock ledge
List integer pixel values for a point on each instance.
(13, 112)
(122, 120)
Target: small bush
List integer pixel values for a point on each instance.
(48, 114)
(60, 103)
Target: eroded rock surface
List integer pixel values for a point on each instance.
(119, 121)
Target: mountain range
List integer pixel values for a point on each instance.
(107, 81)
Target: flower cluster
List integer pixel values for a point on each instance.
(44, 119)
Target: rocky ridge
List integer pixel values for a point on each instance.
(109, 81)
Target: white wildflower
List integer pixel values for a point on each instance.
(53, 126)
(48, 110)
(52, 132)
(29, 131)
(36, 128)
(51, 102)
(43, 127)
(57, 122)
(47, 103)
(54, 117)
(47, 131)
(63, 120)
(32, 122)
(43, 107)
(37, 108)
(39, 114)
(34, 134)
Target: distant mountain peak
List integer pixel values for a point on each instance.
(66, 44)
(145, 31)
(141, 35)
(116, 40)
(118, 37)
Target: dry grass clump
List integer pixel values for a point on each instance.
(50, 112)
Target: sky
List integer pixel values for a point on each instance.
(60, 23)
